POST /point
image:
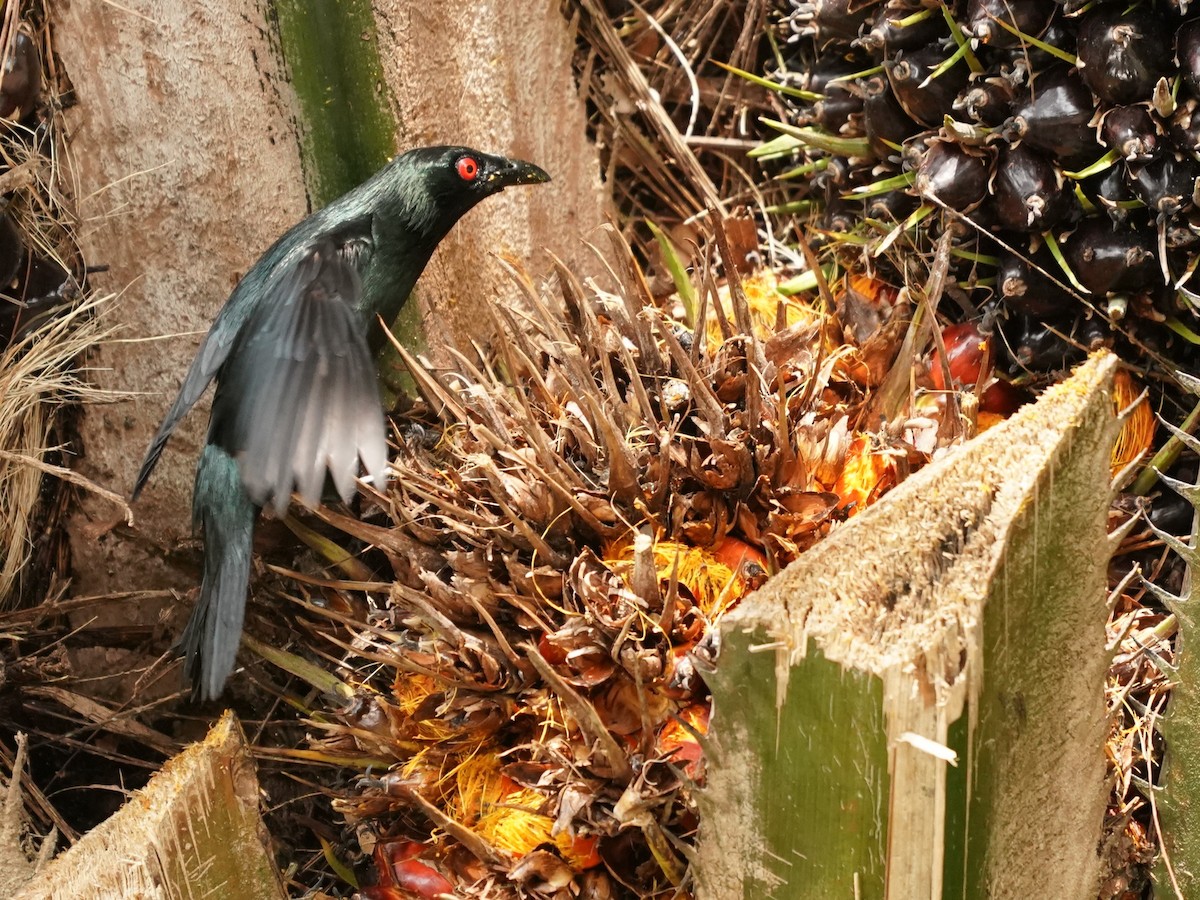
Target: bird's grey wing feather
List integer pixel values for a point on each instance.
(214, 350)
(351, 239)
(299, 395)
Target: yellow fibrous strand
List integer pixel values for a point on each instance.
(867, 473)
(1137, 431)
(713, 585)
(507, 815)
(764, 301)
(412, 691)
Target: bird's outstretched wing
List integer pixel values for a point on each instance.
(213, 351)
(298, 394)
(352, 239)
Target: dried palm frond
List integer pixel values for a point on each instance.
(37, 374)
(47, 320)
(669, 122)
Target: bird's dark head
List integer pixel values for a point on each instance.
(436, 186)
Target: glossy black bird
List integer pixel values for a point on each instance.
(292, 352)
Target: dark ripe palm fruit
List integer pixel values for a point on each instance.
(840, 218)
(927, 103)
(1166, 184)
(830, 20)
(965, 227)
(1182, 239)
(1106, 259)
(1024, 287)
(1054, 117)
(1027, 16)
(893, 206)
(1093, 333)
(21, 83)
(1111, 190)
(1059, 34)
(1187, 55)
(841, 100)
(834, 181)
(1039, 349)
(952, 175)
(891, 32)
(826, 69)
(885, 119)
(1111, 185)
(1164, 298)
(1171, 513)
(829, 186)
(835, 113)
(1029, 192)
(1184, 127)
(1122, 54)
(1130, 130)
(988, 101)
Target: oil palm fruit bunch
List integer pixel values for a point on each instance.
(1057, 141)
(600, 489)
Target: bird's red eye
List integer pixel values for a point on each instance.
(467, 168)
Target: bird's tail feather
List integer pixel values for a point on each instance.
(210, 640)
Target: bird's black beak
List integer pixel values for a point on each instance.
(516, 171)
